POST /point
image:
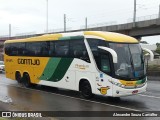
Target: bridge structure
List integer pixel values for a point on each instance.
(138, 29)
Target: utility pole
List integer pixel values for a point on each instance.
(134, 14)
(47, 16)
(9, 30)
(64, 22)
(159, 11)
(86, 23)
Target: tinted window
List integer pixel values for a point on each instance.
(104, 63)
(13, 49)
(44, 49)
(52, 48)
(101, 57)
(93, 43)
(62, 48)
(33, 48)
(78, 50)
(20, 49)
(7, 49)
(67, 48)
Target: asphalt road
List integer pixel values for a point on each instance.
(43, 98)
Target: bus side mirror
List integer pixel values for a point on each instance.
(151, 55)
(113, 53)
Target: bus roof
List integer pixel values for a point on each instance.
(112, 37)
(37, 38)
(107, 36)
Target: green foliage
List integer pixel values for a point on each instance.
(158, 48)
(158, 45)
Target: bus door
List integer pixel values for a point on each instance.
(103, 85)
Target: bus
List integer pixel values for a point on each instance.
(92, 62)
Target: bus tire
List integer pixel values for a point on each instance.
(18, 77)
(26, 80)
(85, 89)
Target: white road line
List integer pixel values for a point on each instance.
(149, 96)
(76, 98)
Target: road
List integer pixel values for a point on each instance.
(43, 98)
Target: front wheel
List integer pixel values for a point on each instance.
(26, 80)
(86, 90)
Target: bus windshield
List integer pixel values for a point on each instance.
(130, 61)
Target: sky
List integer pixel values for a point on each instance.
(29, 16)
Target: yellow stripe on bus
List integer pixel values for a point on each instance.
(47, 37)
(112, 37)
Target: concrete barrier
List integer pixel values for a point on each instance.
(153, 78)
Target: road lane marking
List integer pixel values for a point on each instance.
(121, 107)
(149, 96)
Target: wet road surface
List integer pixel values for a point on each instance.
(43, 98)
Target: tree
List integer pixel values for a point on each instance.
(158, 45)
(158, 48)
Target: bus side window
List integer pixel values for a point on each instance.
(78, 50)
(8, 48)
(52, 49)
(32, 48)
(105, 65)
(44, 49)
(61, 48)
(21, 48)
(14, 49)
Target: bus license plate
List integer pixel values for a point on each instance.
(135, 91)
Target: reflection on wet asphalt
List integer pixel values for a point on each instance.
(43, 98)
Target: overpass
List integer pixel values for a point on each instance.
(137, 30)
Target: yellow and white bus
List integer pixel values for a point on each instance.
(92, 62)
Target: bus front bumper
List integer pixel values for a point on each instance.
(118, 91)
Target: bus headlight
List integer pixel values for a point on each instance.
(117, 84)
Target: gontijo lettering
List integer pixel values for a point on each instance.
(29, 61)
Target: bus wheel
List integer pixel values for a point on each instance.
(86, 91)
(26, 80)
(18, 77)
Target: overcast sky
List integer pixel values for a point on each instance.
(29, 16)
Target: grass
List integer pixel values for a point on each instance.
(1, 118)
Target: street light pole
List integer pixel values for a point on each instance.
(64, 22)
(47, 16)
(9, 30)
(159, 12)
(86, 23)
(134, 14)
